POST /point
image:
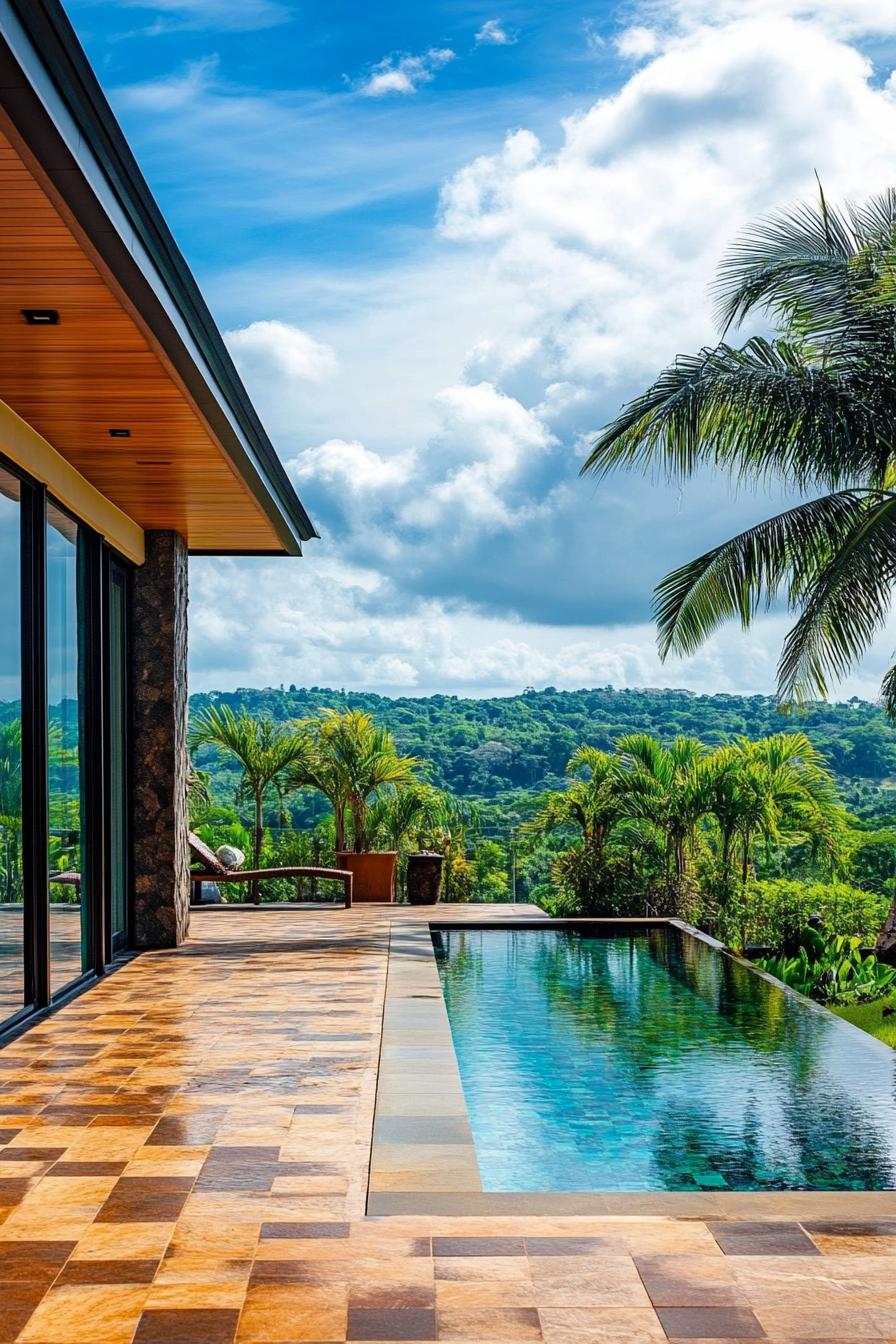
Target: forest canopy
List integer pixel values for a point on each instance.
(499, 751)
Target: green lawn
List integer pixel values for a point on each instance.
(869, 1016)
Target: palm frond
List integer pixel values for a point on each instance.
(846, 603)
(765, 410)
(888, 693)
(747, 572)
(793, 261)
(812, 268)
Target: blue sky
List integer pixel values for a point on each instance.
(525, 69)
(446, 242)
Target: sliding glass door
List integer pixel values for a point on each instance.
(64, 798)
(65, 639)
(12, 908)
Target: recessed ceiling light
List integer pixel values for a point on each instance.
(119, 433)
(41, 317)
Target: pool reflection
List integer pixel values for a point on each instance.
(654, 1062)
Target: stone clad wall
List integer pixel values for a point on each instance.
(160, 766)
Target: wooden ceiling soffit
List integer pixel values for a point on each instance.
(119, 358)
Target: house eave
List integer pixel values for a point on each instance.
(50, 93)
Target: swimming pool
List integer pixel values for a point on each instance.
(594, 1061)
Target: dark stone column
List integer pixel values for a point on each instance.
(160, 759)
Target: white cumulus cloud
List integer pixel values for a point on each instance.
(844, 18)
(404, 74)
(637, 42)
(288, 351)
(614, 237)
(351, 467)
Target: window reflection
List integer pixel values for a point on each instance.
(65, 703)
(12, 963)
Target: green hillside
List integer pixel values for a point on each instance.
(503, 752)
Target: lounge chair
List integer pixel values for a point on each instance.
(214, 871)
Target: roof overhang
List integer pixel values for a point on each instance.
(73, 174)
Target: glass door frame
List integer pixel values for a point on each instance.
(117, 575)
(35, 754)
(99, 561)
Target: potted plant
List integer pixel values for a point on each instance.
(349, 759)
(409, 817)
(424, 877)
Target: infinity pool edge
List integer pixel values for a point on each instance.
(423, 1159)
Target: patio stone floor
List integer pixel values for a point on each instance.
(184, 1158)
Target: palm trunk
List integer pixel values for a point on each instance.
(600, 840)
(359, 816)
(256, 855)
(339, 825)
(727, 877)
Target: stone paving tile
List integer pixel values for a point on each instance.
(771, 1238)
(710, 1323)
(392, 1323)
(183, 1160)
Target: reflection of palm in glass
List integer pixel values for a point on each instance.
(11, 811)
(65, 693)
(64, 841)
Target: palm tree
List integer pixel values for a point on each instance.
(618, 839)
(456, 819)
(667, 787)
(591, 803)
(775, 789)
(813, 409)
(199, 795)
(264, 750)
(349, 758)
(405, 815)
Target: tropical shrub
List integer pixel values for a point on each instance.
(457, 878)
(872, 863)
(774, 913)
(833, 970)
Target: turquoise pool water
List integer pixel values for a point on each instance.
(654, 1062)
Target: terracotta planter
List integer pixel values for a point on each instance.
(424, 878)
(373, 873)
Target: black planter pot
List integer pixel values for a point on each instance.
(424, 878)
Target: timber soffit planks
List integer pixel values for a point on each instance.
(56, 106)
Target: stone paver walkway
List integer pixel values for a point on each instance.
(185, 1158)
